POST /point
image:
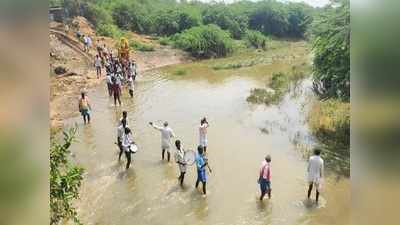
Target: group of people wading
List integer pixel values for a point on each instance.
(121, 72)
(126, 144)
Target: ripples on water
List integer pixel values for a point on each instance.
(240, 136)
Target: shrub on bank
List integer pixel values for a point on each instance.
(108, 30)
(330, 122)
(205, 41)
(140, 46)
(256, 39)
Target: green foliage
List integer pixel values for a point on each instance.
(223, 16)
(55, 3)
(279, 19)
(130, 15)
(280, 83)
(108, 30)
(180, 72)
(96, 14)
(205, 41)
(140, 46)
(262, 96)
(330, 122)
(236, 65)
(164, 41)
(299, 18)
(256, 39)
(331, 46)
(169, 17)
(169, 22)
(65, 180)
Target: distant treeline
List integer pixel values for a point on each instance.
(168, 17)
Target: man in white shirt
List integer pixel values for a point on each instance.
(203, 133)
(109, 84)
(97, 64)
(166, 134)
(315, 172)
(120, 134)
(127, 141)
(180, 160)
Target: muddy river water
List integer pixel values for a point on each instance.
(239, 137)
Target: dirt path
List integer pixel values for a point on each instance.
(66, 51)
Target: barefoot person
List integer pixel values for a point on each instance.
(130, 85)
(265, 177)
(201, 163)
(315, 172)
(97, 64)
(166, 134)
(84, 108)
(179, 159)
(124, 117)
(116, 89)
(203, 133)
(109, 83)
(120, 134)
(127, 141)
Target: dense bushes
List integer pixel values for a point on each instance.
(242, 20)
(331, 46)
(330, 122)
(172, 21)
(108, 30)
(205, 41)
(224, 17)
(256, 39)
(168, 17)
(65, 181)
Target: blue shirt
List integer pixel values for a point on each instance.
(200, 162)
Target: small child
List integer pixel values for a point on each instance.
(265, 177)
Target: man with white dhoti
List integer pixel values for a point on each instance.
(203, 133)
(315, 172)
(166, 134)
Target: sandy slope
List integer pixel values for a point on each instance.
(66, 51)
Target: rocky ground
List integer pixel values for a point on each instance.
(66, 53)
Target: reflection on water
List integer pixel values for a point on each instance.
(240, 135)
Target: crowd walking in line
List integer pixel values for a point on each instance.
(120, 72)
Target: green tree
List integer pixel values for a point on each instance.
(299, 18)
(65, 180)
(121, 16)
(205, 41)
(223, 16)
(331, 47)
(270, 18)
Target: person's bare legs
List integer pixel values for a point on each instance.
(317, 195)
(162, 154)
(269, 193)
(119, 99)
(181, 177)
(204, 187)
(262, 195)
(309, 190)
(168, 155)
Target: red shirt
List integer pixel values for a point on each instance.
(265, 170)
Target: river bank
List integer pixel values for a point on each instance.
(80, 75)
